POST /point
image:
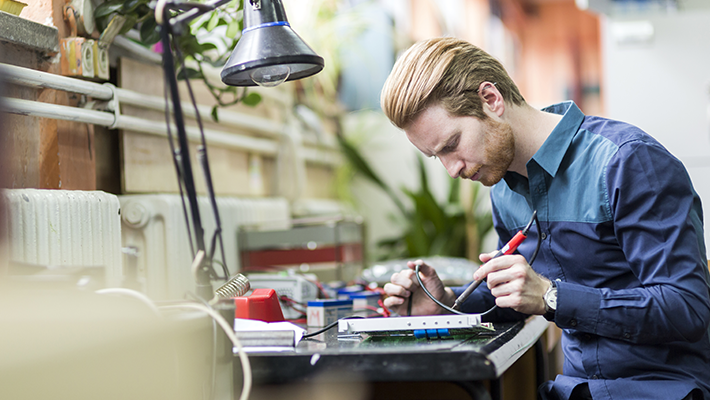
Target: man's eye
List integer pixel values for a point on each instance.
(451, 146)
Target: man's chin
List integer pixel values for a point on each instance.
(489, 180)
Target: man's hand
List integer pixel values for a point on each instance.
(514, 283)
(404, 285)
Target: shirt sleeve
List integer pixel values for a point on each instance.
(657, 220)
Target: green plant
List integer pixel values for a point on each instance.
(455, 228)
(138, 14)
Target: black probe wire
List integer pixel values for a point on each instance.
(442, 305)
(329, 326)
(532, 259)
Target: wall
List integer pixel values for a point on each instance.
(662, 85)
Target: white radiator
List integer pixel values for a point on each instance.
(154, 228)
(64, 228)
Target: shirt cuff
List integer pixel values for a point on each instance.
(577, 307)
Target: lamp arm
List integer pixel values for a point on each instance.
(178, 23)
(204, 284)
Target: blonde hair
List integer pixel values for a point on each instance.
(447, 71)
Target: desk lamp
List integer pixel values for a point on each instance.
(268, 53)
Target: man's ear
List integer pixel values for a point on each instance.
(491, 98)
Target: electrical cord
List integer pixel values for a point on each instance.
(246, 366)
(451, 310)
(328, 327)
(202, 157)
(131, 293)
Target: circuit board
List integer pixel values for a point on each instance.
(429, 326)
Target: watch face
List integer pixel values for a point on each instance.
(551, 298)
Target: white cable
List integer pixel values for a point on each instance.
(246, 366)
(131, 293)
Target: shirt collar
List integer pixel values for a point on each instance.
(549, 156)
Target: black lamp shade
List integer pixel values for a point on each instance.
(267, 41)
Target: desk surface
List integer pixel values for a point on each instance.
(471, 357)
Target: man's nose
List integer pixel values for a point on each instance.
(453, 166)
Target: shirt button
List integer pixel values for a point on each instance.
(543, 236)
(573, 322)
(595, 377)
(627, 335)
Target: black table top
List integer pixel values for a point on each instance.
(467, 357)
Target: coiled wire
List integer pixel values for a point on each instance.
(237, 286)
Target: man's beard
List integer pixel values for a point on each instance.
(499, 153)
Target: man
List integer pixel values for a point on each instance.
(620, 225)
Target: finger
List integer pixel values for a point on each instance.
(425, 269)
(501, 286)
(497, 264)
(394, 302)
(405, 279)
(514, 273)
(485, 257)
(396, 290)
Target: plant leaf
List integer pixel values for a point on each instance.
(233, 28)
(108, 8)
(188, 73)
(252, 99)
(149, 32)
(361, 166)
(215, 117)
(214, 20)
(129, 24)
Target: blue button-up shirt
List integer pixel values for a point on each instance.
(622, 235)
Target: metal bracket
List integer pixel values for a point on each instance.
(114, 105)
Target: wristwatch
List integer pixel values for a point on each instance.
(550, 298)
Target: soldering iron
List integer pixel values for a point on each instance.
(509, 248)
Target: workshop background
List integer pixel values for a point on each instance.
(317, 152)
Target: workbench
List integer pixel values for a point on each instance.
(467, 360)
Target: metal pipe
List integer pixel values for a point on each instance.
(230, 118)
(38, 79)
(41, 80)
(224, 139)
(55, 111)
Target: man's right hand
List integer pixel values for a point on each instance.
(404, 285)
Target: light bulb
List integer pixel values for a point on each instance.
(270, 76)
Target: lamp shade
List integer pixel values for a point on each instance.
(269, 51)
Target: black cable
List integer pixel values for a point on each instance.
(449, 309)
(409, 304)
(328, 327)
(442, 305)
(539, 239)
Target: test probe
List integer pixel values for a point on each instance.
(509, 248)
(475, 284)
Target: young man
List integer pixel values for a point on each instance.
(621, 267)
